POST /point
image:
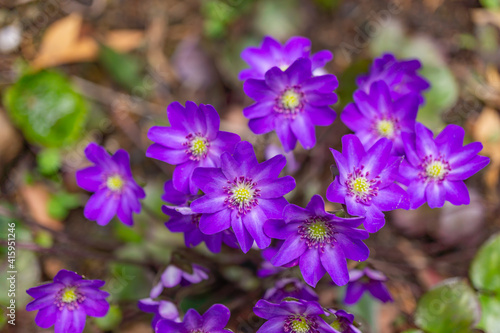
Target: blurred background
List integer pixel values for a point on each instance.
(77, 71)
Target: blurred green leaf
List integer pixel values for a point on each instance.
(490, 4)
(328, 4)
(280, 19)
(61, 203)
(49, 161)
(348, 82)
(44, 239)
(490, 313)
(111, 320)
(46, 108)
(485, 269)
(128, 234)
(123, 68)
(128, 283)
(413, 331)
(365, 310)
(442, 95)
(451, 306)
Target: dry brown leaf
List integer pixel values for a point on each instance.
(486, 16)
(486, 129)
(62, 43)
(493, 77)
(10, 140)
(36, 198)
(124, 40)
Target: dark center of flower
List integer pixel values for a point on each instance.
(290, 102)
(196, 146)
(434, 169)
(300, 324)
(115, 183)
(361, 186)
(69, 297)
(242, 194)
(317, 232)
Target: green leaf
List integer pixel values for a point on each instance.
(485, 269)
(61, 203)
(451, 306)
(128, 283)
(490, 4)
(413, 331)
(490, 318)
(49, 161)
(111, 320)
(46, 108)
(123, 68)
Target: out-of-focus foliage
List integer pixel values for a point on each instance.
(452, 306)
(492, 4)
(49, 161)
(46, 108)
(124, 69)
(111, 320)
(61, 203)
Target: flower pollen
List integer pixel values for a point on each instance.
(290, 102)
(197, 146)
(434, 169)
(361, 186)
(385, 128)
(69, 295)
(242, 194)
(317, 233)
(115, 183)
(300, 324)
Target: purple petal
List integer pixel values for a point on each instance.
(392, 197)
(169, 326)
(242, 235)
(209, 179)
(64, 321)
(425, 144)
(209, 203)
(182, 177)
(285, 134)
(435, 194)
(293, 247)
(216, 317)
(353, 292)
(273, 325)
(213, 223)
(262, 125)
(320, 115)
(416, 191)
(456, 192)
(90, 179)
(254, 223)
(41, 302)
(67, 277)
(379, 291)
(171, 277)
(336, 192)
(212, 121)
(334, 262)
(169, 137)
(353, 152)
(95, 307)
(311, 268)
(98, 155)
(268, 170)
(303, 129)
(47, 316)
(257, 90)
(299, 71)
(353, 249)
(170, 156)
(468, 169)
(276, 228)
(276, 80)
(274, 188)
(376, 158)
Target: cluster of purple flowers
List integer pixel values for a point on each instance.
(221, 194)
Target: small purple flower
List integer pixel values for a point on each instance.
(401, 76)
(273, 54)
(242, 194)
(267, 269)
(292, 103)
(344, 322)
(116, 192)
(435, 169)
(192, 140)
(212, 321)
(67, 302)
(366, 280)
(376, 115)
(174, 197)
(183, 219)
(365, 183)
(160, 309)
(173, 276)
(321, 240)
(292, 317)
(292, 165)
(290, 287)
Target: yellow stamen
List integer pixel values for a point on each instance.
(115, 183)
(198, 146)
(241, 194)
(435, 169)
(385, 128)
(69, 295)
(300, 325)
(290, 99)
(360, 185)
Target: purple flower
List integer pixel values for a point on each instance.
(365, 183)
(116, 192)
(344, 322)
(267, 269)
(242, 194)
(183, 219)
(291, 287)
(292, 317)
(435, 169)
(174, 197)
(401, 76)
(160, 309)
(292, 103)
(173, 276)
(366, 280)
(321, 240)
(213, 321)
(273, 54)
(375, 115)
(192, 140)
(67, 302)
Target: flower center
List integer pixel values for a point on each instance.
(290, 102)
(359, 185)
(196, 146)
(283, 67)
(385, 128)
(242, 194)
(69, 295)
(69, 298)
(290, 99)
(115, 183)
(317, 232)
(300, 324)
(434, 169)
